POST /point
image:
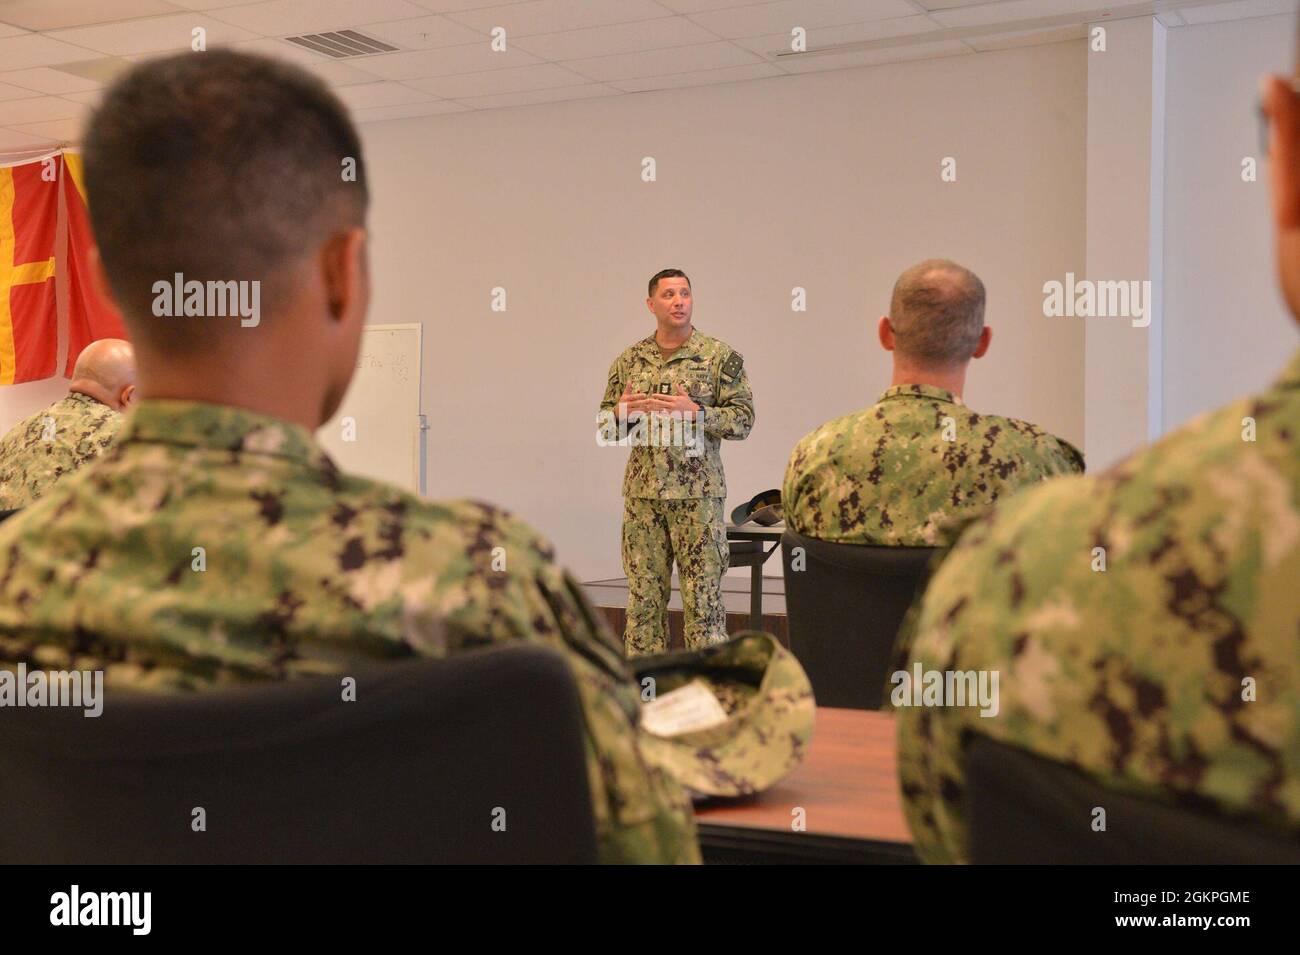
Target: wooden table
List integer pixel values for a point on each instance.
(847, 786)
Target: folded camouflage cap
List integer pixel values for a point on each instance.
(729, 720)
(763, 508)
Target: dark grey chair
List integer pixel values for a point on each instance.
(415, 771)
(1023, 809)
(844, 609)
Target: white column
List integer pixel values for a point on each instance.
(1125, 237)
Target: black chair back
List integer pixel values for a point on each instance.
(1023, 809)
(844, 608)
(474, 759)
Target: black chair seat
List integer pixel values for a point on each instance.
(844, 609)
(416, 770)
(1021, 808)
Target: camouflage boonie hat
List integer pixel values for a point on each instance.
(728, 720)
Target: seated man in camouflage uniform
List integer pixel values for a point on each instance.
(215, 541)
(1144, 622)
(896, 472)
(56, 441)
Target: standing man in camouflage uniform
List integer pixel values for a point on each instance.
(685, 392)
(896, 472)
(215, 541)
(56, 441)
(1144, 622)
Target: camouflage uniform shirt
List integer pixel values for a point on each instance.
(211, 544)
(897, 472)
(714, 376)
(52, 443)
(1173, 670)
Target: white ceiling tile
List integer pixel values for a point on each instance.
(821, 37)
(554, 16)
(207, 4)
(730, 74)
(533, 97)
(703, 56)
(950, 4)
(453, 6)
(695, 6)
(65, 130)
(8, 91)
(407, 111)
(153, 35)
(784, 16)
(1013, 10)
(54, 14)
(13, 145)
(384, 93)
(540, 77)
(1240, 10)
(1004, 41)
(7, 30)
(36, 49)
(452, 59)
(837, 61)
(89, 97)
(422, 33)
(42, 79)
(290, 17)
(39, 109)
(617, 38)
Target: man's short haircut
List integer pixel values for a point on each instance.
(937, 311)
(220, 166)
(667, 274)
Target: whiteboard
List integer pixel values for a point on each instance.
(379, 431)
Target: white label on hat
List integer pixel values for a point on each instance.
(687, 709)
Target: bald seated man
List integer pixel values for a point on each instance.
(304, 569)
(898, 472)
(55, 442)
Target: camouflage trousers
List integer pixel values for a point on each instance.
(655, 534)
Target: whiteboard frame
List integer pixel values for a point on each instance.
(421, 423)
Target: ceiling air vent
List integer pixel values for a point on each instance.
(342, 43)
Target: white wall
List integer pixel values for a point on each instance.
(1227, 332)
(828, 181)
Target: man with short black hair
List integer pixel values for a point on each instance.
(216, 541)
(675, 396)
(895, 473)
(56, 441)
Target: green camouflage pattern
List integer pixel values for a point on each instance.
(1171, 673)
(671, 473)
(770, 714)
(304, 569)
(899, 472)
(655, 534)
(51, 444)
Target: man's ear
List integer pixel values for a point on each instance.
(650, 304)
(125, 397)
(986, 336)
(885, 331)
(344, 267)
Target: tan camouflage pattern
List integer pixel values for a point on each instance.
(670, 473)
(655, 534)
(1139, 674)
(897, 473)
(305, 570)
(51, 444)
(770, 708)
